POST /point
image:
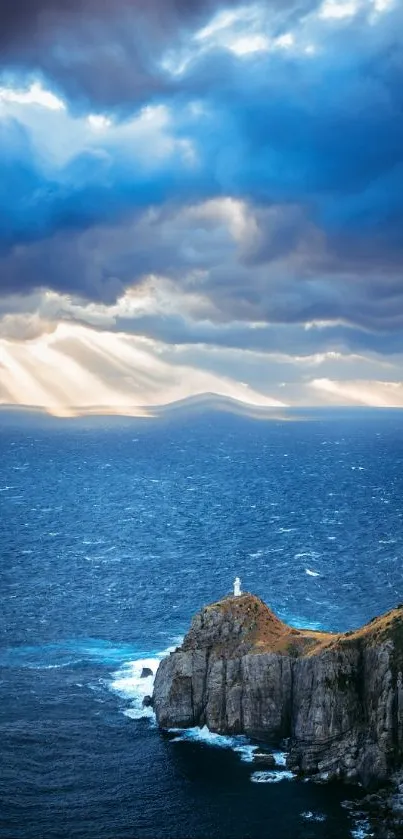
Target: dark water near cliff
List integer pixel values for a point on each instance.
(112, 534)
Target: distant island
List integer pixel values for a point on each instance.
(195, 404)
(336, 700)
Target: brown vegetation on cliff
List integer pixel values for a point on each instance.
(337, 698)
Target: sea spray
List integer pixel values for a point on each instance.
(129, 683)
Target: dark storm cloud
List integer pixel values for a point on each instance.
(322, 131)
(109, 53)
(303, 283)
(286, 339)
(312, 143)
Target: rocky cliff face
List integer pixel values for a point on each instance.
(337, 698)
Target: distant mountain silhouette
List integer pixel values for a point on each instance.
(198, 404)
(212, 402)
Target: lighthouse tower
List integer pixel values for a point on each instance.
(237, 587)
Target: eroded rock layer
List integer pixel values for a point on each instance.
(337, 697)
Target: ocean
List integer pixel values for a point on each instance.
(113, 533)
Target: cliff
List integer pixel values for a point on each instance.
(336, 698)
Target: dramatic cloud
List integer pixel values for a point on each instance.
(117, 54)
(377, 394)
(113, 373)
(211, 178)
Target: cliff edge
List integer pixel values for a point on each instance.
(336, 698)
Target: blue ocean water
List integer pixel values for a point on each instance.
(112, 534)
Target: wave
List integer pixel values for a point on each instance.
(68, 653)
(309, 816)
(238, 743)
(361, 825)
(272, 776)
(362, 829)
(300, 623)
(311, 573)
(129, 684)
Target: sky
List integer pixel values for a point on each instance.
(200, 197)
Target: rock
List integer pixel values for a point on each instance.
(265, 759)
(396, 803)
(373, 800)
(337, 697)
(146, 672)
(147, 702)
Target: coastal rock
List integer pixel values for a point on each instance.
(146, 672)
(338, 698)
(265, 759)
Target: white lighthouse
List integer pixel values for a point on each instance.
(237, 587)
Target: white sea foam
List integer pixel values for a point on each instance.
(203, 735)
(128, 683)
(311, 573)
(238, 743)
(362, 830)
(271, 776)
(246, 752)
(309, 816)
(93, 541)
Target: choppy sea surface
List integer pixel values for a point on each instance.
(113, 533)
